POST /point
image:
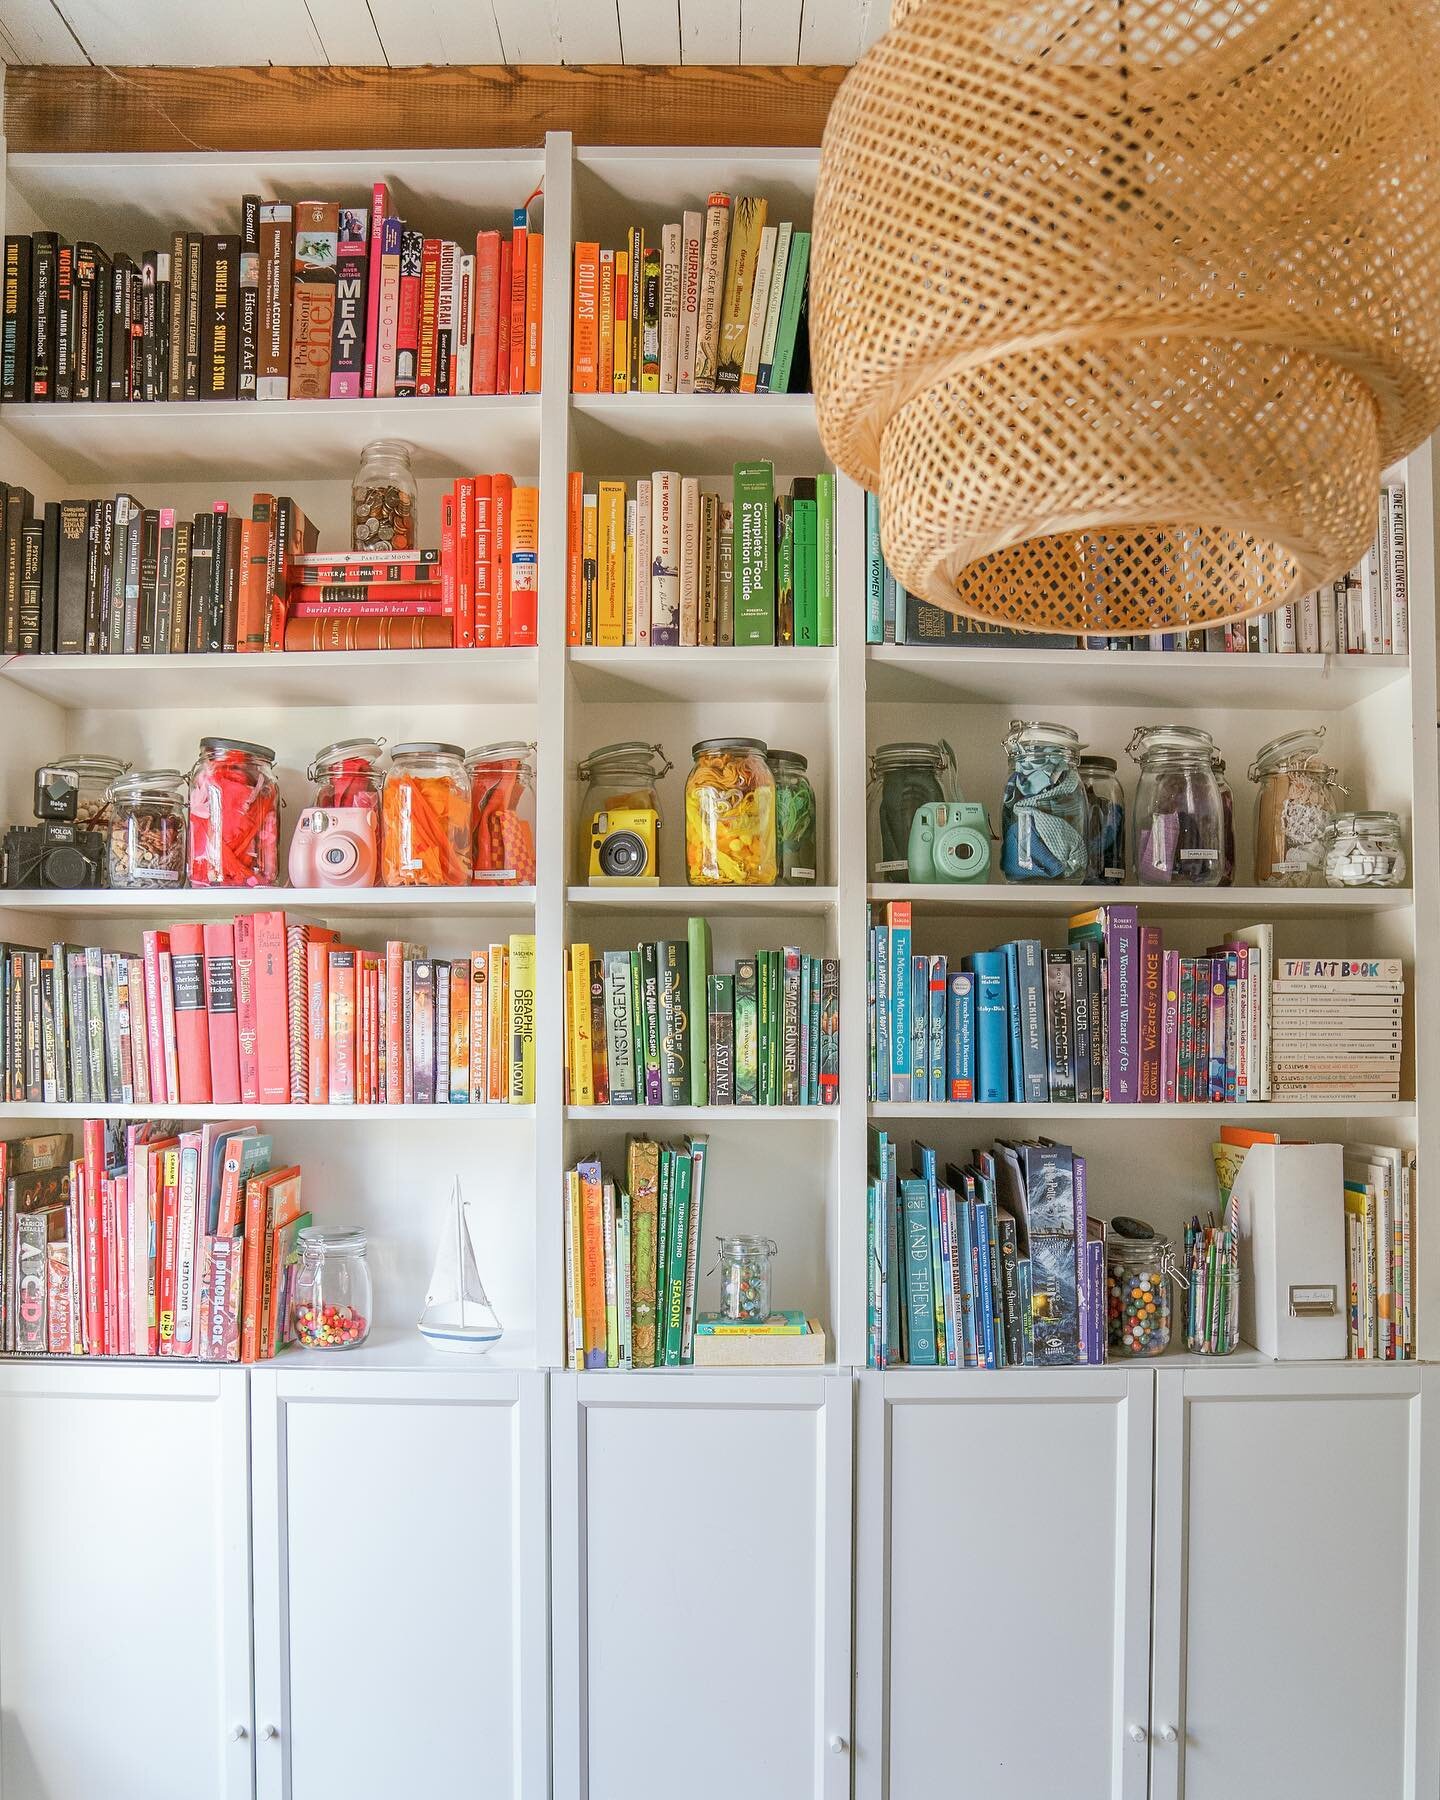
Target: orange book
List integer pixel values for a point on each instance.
(620, 325)
(395, 954)
(502, 321)
(259, 1221)
(584, 366)
(605, 352)
(592, 1262)
(317, 1012)
(502, 488)
(497, 1051)
(574, 559)
(534, 310)
(342, 1024)
(252, 612)
(464, 564)
(282, 1207)
(524, 565)
(479, 1029)
(519, 283)
(482, 555)
(487, 312)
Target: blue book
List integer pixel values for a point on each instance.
(965, 1225)
(874, 574)
(947, 1280)
(919, 1271)
(882, 1013)
(871, 1026)
(989, 1249)
(938, 999)
(1086, 1348)
(1034, 1052)
(1047, 1178)
(1027, 1302)
(899, 963)
(1012, 999)
(1080, 1020)
(929, 1174)
(992, 1049)
(960, 1038)
(920, 1028)
(984, 1295)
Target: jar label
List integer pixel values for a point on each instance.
(802, 874)
(1113, 874)
(889, 868)
(1207, 856)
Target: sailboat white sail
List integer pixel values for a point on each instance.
(458, 1314)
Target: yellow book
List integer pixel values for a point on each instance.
(610, 600)
(589, 567)
(629, 571)
(574, 1275)
(620, 332)
(747, 221)
(605, 362)
(522, 1020)
(582, 1075)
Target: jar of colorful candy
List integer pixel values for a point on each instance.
(94, 777)
(745, 1278)
(1364, 849)
(502, 814)
(1295, 806)
(348, 773)
(1227, 813)
(234, 815)
(795, 835)
(384, 499)
(425, 818)
(1105, 859)
(903, 778)
(620, 819)
(1179, 819)
(330, 1303)
(1045, 811)
(730, 815)
(145, 845)
(1139, 1267)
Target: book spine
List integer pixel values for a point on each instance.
(712, 281)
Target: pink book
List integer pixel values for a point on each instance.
(120, 1230)
(272, 1010)
(1151, 968)
(192, 1030)
(1170, 1028)
(223, 1018)
(167, 1029)
(152, 944)
(487, 312)
(245, 1010)
(379, 210)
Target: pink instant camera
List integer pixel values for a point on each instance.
(334, 847)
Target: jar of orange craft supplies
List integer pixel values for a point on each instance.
(425, 818)
(502, 814)
(234, 815)
(730, 815)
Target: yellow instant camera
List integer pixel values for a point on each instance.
(624, 847)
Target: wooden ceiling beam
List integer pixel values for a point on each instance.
(58, 109)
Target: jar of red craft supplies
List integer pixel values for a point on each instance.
(331, 1302)
(502, 814)
(425, 818)
(234, 815)
(348, 773)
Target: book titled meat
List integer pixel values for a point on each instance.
(221, 1014)
(272, 1028)
(347, 336)
(317, 241)
(192, 1029)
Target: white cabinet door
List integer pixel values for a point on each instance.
(1295, 1584)
(124, 1584)
(1003, 1583)
(701, 1546)
(400, 1585)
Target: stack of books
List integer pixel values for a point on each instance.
(311, 301)
(676, 563)
(716, 305)
(1380, 1251)
(782, 1340)
(153, 1241)
(266, 1010)
(656, 1026)
(1338, 1028)
(996, 1264)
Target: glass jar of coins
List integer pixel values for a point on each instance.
(383, 499)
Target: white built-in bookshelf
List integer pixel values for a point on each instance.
(797, 1174)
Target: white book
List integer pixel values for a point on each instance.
(1325, 610)
(464, 345)
(1399, 641)
(669, 307)
(445, 306)
(691, 228)
(689, 561)
(1285, 639)
(1356, 606)
(1377, 598)
(664, 557)
(759, 302)
(712, 280)
(1307, 625)
(642, 562)
(772, 307)
(1261, 942)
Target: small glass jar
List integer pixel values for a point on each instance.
(94, 778)
(384, 498)
(348, 773)
(1139, 1265)
(1106, 861)
(745, 1278)
(331, 1298)
(1365, 849)
(903, 778)
(730, 815)
(502, 814)
(1045, 812)
(234, 815)
(1179, 819)
(795, 823)
(1227, 814)
(145, 840)
(620, 819)
(425, 818)
(1295, 807)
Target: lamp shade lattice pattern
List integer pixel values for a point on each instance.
(1124, 307)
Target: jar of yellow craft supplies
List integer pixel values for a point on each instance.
(730, 815)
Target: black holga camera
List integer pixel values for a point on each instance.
(56, 853)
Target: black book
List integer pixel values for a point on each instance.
(149, 579)
(135, 359)
(674, 968)
(194, 259)
(180, 589)
(97, 601)
(127, 509)
(133, 540)
(50, 578)
(19, 507)
(202, 556)
(175, 377)
(84, 373)
(230, 591)
(163, 299)
(42, 316)
(118, 358)
(76, 551)
(15, 338)
(32, 534)
(219, 575)
(1059, 1026)
(219, 278)
(148, 346)
(164, 613)
(102, 328)
(248, 298)
(64, 321)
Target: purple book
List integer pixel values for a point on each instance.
(1122, 954)
(1099, 1326)
(1082, 1263)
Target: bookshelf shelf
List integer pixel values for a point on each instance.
(796, 675)
(354, 903)
(808, 900)
(726, 427)
(1257, 1113)
(706, 1116)
(299, 1115)
(1234, 903)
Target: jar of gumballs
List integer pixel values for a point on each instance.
(1139, 1267)
(1045, 811)
(903, 778)
(1179, 817)
(1105, 857)
(745, 1278)
(730, 815)
(234, 815)
(330, 1307)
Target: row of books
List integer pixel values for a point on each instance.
(1380, 1252)
(265, 1010)
(311, 301)
(1365, 613)
(718, 305)
(152, 1241)
(632, 1257)
(676, 563)
(1338, 1029)
(996, 1264)
(657, 1026)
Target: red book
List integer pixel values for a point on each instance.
(245, 1010)
(272, 1011)
(433, 608)
(484, 561)
(1152, 957)
(448, 570)
(502, 321)
(487, 312)
(407, 325)
(429, 307)
(152, 943)
(224, 1020)
(534, 309)
(379, 212)
(501, 489)
(518, 277)
(352, 593)
(93, 1202)
(465, 615)
(192, 1026)
(252, 612)
(110, 1259)
(342, 1026)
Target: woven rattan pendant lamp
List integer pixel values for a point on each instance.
(1124, 306)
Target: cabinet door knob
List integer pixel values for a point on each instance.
(239, 1734)
(838, 1746)
(1169, 1734)
(1137, 1734)
(270, 1731)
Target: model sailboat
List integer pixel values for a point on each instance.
(458, 1314)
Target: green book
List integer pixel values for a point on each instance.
(746, 1031)
(807, 593)
(797, 271)
(754, 552)
(650, 303)
(698, 932)
(825, 554)
(676, 1252)
(624, 1305)
(650, 1000)
(777, 970)
(637, 1017)
(674, 959)
(612, 1278)
(785, 570)
(762, 1027)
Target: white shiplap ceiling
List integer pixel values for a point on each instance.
(404, 32)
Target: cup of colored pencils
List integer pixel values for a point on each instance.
(1212, 1299)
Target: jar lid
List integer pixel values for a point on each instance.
(515, 751)
(148, 784)
(333, 1240)
(1348, 822)
(708, 746)
(427, 749)
(1041, 734)
(104, 767)
(938, 756)
(222, 744)
(1105, 765)
(1290, 749)
(361, 749)
(790, 759)
(1133, 1230)
(649, 759)
(400, 447)
(1171, 740)
(738, 1244)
